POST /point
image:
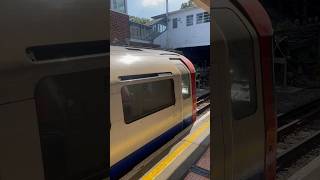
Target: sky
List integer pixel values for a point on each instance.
(149, 8)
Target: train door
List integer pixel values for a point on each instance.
(239, 138)
(186, 93)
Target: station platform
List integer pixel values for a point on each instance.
(311, 171)
(200, 170)
(187, 156)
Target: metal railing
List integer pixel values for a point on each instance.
(145, 32)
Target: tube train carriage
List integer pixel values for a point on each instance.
(244, 124)
(152, 95)
(53, 95)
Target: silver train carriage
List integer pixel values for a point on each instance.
(152, 98)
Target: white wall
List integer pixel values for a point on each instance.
(183, 35)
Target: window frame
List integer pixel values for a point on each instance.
(206, 17)
(185, 72)
(65, 102)
(198, 19)
(154, 110)
(174, 23)
(115, 7)
(189, 86)
(191, 17)
(234, 58)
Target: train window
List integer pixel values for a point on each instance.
(140, 100)
(186, 91)
(73, 125)
(242, 70)
(185, 86)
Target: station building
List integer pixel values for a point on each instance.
(188, 30)
(119, 22)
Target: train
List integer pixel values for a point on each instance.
(244, 124)
(54, 101)
(153, 98)
(53, 92)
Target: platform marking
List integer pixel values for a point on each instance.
(164, 163)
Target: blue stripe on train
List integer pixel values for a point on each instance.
(125, 165)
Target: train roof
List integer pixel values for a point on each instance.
(126, 61)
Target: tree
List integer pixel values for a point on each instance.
(139, 20)
(187, 5)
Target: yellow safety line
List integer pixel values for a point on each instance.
(164, 163)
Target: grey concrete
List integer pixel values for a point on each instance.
(309, 172)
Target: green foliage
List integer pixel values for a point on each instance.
(139, 20)
(187, 4)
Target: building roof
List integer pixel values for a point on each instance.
(174, 12)
(156, 21)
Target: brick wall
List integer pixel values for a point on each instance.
(119, 28)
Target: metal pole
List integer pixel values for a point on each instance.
(167, 23)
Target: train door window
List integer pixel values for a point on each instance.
(242, 70)
(185, 86)
(185, 81)
(140, 100)
(73, 125)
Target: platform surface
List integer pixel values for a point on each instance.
(309, 172)
(191, 150)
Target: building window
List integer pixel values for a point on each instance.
(174, 23)
(189, 20)
(199, 18)
(202, 18)
(206, 17)
(141, 100)
(119, 5)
